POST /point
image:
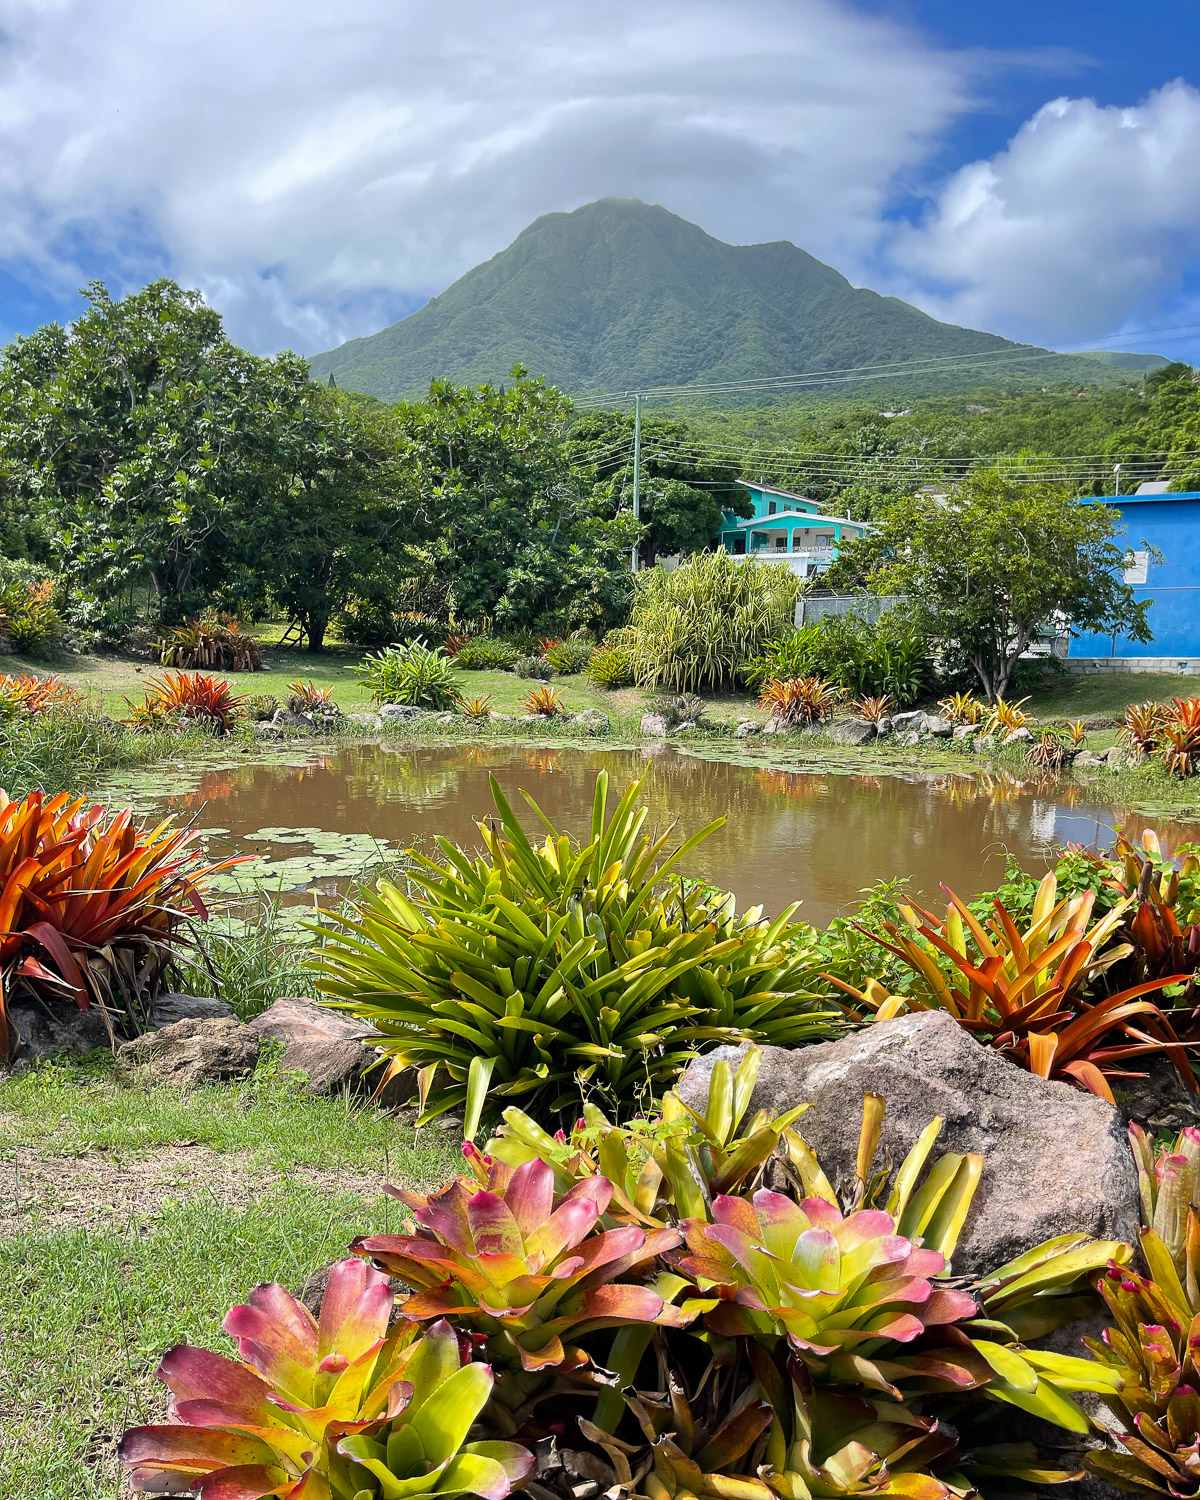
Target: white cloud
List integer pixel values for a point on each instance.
(1086, 223)
(312, 165)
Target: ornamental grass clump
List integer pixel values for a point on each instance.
(692, 629)
(531, 971)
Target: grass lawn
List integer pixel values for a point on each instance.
(131, 1220)
(1075, 697)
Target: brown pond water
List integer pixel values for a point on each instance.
(314, 821)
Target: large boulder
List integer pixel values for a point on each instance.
(850, 731)
(910, 722)
(656, 725)
(1056, 1160)
(333, 1050)
(168, 1009)
(191, 1053)
(53, 1029)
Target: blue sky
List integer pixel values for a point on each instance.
(320, 167)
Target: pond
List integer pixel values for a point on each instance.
(315, 820)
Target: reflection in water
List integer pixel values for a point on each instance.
(789, 835)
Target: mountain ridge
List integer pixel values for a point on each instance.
(621, 294)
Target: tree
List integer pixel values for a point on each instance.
(518, 535)
(682, 492)
(986, 571)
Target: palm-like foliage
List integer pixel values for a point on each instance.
(532, 971)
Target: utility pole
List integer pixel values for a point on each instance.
(1117, 472)
(637, 473)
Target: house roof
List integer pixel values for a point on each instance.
(765, 523)
(1141, 499)
(766, 489)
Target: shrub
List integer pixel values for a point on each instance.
(569, 657)
(410, 674)
(610, 667)
(553, 938)
(262, 706)
(533, 666)
(1027, 994)
(889, 658)
(28, 616)
(544, 702)
(94, 909)
(31, 696)
(692, 628)
(212, 640)
(186, 698)
(483, 653)
(334, 1407)
(804, 701)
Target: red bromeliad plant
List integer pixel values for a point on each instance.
(800, 701)
(177, 697)
(334, 1408)
(37, 695)
(1026, 993)
(1180, 737)
(90, 908)
(523, 1266)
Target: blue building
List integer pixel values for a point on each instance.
(1169, 524)
(789, 529)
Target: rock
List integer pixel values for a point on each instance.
(747, 728)
(168, 1009)
(1160, 1099)
(1086, 760)
(656, 725)
(965, 732)
(399, 713)
(498, 718)
(1020, 736)
(284, 718)
(775, 725)
(884, 727)
(191, 1053)
(850, 731)
(905, 723)
(594, 720)
(911, 738)
(1100, 721)
(689, 726)
(295, 1018)
(52, 1028)
(264, 730)
(985, 742)
(330, 1067)
(446, 719)
(939, 728)
(1115, 755)
(365, 721)
(1056, 1160)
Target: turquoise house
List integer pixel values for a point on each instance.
(788, 529)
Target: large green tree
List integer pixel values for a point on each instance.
(985, 569)
(684, 489)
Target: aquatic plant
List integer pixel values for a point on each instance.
(186, 698)
(531, 971)
(411, 674)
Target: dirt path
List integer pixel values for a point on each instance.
(99, 1191)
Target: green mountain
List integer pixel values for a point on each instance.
(622, 295)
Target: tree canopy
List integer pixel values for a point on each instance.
(985, 570)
